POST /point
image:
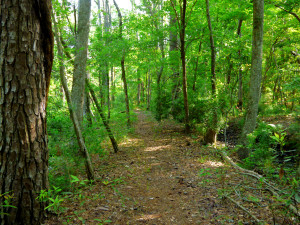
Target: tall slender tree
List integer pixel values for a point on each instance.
(181, 19)
(240, 76)
(211, 133)
(26, 56)
(81, 47)
(256, 73)
(123, 64)
(82, 147)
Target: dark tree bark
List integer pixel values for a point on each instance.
(123, 66)
(256, 73)
(82, 148)
(26, 56)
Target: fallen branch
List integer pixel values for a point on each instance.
(245, 210)
(271, 187)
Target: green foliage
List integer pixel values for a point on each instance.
(5, 202)
(101, 222)
(267, 144)
(262, 147)
(53, 198)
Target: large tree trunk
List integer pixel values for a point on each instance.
(73, 115)
(255, 78)
(81, 47)
(26, 56)
(211, 133)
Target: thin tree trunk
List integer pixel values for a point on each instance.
(182, 25)
(153, 13)
(255, 78)
(148, 90)
(211, 133)
(139, 88)
(108, 96)
(73, 115)
(112, 73)
(174, 57)
(105, 122)
(196, 68)
(230, 66)
(240, 75)
(123, 66)
(125, 89)
(88, 112)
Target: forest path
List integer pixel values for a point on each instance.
(160, 176)
(163, 184)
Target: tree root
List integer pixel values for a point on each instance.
(271, 187)
(245, 210)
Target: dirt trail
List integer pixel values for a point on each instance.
(161, 176)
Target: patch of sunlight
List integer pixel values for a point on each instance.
(149, 217)
(213, 164)
(157, 148)
(131, 141)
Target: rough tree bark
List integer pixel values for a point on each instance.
(82, 37)
(26, 56)
(123, 66)
(73, 115)
(255, 78)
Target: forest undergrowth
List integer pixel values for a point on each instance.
(163, 176)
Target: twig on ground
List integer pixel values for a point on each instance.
(270, 187)
(245, 210)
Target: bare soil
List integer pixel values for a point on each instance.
(163, 176)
